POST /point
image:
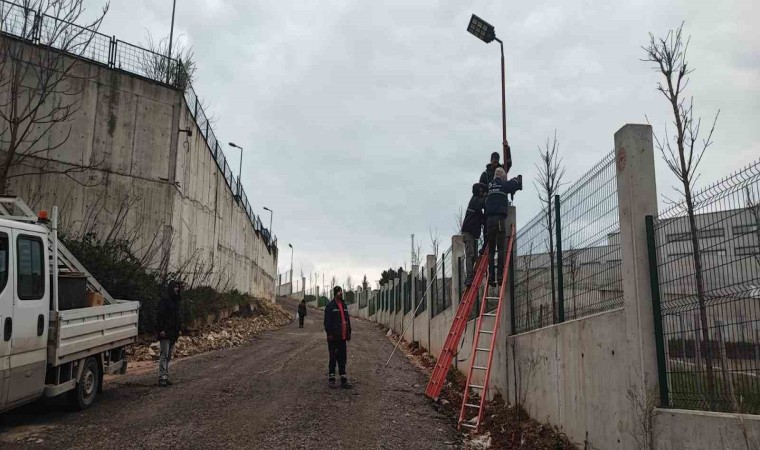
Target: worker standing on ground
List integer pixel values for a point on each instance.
(338, 329)
(474, 221)
(301, 313)
(497, 208)
(168, 324)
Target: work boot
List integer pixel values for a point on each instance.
(169, 382)
(344, 383)
(468, 281)
(331, 383)
(162, 383)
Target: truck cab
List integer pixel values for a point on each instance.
(24, 311)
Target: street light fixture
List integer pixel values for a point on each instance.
(486, 33)
(240, 167)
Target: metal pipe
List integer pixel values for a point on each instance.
(171, 38)
(507, 153)
(55, 258)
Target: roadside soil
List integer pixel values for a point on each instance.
(269, 393)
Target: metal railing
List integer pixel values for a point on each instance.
(52, 32)
(574, 272)
(706, 293)
(420, 288)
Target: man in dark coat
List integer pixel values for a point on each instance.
(338, 329)
(301, 313)
(474, 221)
(168, 325)
(487, 176)
(497, 208)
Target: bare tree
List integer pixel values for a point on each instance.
(548, 181)
(435, 241)
(416, 250)
(572, 256)
(41, 89)
(682, 152)
(458, 219)
(177, 69)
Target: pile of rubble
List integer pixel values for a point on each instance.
(227, 333)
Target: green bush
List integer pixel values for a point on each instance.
(322, 301)
(120, 272)
(310, 298)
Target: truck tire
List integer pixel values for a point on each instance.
(83, 395)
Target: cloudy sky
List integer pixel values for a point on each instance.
(364, 122)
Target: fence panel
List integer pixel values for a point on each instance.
(710, 296)
(591, 254)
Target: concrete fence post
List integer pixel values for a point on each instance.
(637, 198)
(429, 267)
(415, 300)
(500, 364)
(457, 252)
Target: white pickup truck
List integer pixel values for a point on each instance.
(46, 351)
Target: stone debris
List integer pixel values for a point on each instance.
(230, 332)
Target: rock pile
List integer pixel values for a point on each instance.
(230, 332)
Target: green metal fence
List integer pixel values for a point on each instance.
(707, 287)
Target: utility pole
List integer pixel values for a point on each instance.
(171, 38)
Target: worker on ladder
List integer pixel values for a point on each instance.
(474, 221)
(497, 209)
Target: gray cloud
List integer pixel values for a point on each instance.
(366, 122)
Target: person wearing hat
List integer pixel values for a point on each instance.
(497, 208)
(338, 329)
(474, 221)
(487, 176)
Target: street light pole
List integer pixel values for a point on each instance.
(486, 33)
(291, 268)
(271, 214)
(240, 166)
(171, 38)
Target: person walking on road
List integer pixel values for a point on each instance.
(497, 208)
(338, 329)
(474, 221)
(301, 313)
(168, 324)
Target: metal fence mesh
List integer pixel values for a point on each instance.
(710, 296)
(590, 262)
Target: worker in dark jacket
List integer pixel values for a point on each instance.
(487, 176)
(497, 208)
(168, 325)
(338, 329)
(474, 221)
(301, 313)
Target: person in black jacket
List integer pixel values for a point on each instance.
(168, 325)
(497, 208)
(487, 176)
(338, 329)
(474, 221)
(301, 313)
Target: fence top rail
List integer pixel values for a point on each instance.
(703, 197)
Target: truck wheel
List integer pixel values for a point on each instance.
(83, 395)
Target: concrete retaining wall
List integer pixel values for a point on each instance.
(136, 175)
(676, 429)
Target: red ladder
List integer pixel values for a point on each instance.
(476, 349)
(442, 365)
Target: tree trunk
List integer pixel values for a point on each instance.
(551, 261)
(698, 275)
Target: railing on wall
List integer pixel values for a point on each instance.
(708, 338)
(584, 278)
(49, 31)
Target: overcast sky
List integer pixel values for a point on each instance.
(365, 122)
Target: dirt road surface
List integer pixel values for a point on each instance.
(269, 394)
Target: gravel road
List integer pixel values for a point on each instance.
(269, 394)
